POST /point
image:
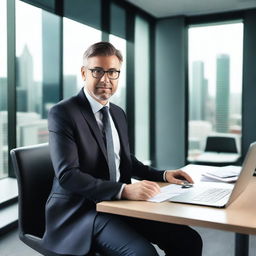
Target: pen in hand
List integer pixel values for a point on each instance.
(186, 184)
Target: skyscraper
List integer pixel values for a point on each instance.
(26, 100)
(222, 93)
(199, 92)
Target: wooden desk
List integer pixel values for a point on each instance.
(239, 217)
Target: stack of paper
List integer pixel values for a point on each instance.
(225, 174)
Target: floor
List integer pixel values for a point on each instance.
(216, 242)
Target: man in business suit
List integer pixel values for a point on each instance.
(92, 161)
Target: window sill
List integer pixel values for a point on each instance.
(8, 204)
(8, 191)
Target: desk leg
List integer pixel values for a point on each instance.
(241, 245)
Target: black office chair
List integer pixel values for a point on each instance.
(221, 144)
(219, 151)
(34, 172)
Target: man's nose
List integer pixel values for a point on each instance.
(105, 78)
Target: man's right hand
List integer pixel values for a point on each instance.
(141, 190)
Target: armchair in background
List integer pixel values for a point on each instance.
(219, 150)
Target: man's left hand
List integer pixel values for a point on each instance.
(177, 177)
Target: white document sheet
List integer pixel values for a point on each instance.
(167, 192)
(228, 174)
(226, 171)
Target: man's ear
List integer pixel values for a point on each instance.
(83, 72)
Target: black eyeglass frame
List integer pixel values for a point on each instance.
(103, 73)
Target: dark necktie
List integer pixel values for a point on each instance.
(109, 143)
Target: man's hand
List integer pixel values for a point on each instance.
(177, 177)
(141, 190)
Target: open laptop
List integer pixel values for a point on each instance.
(220, 194)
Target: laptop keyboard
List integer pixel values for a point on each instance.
(211, 195)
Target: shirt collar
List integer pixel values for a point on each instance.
(95, 105)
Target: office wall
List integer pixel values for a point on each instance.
(170, 92)
(249, 81)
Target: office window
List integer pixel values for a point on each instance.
(215, 83)
(77, 37)
(119, 97)
(37, 69)
(3, 91)
(117, 38)
(142, 118)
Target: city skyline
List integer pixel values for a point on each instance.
(202, 104)
(212, 114)
(215, 88)
(209, 40)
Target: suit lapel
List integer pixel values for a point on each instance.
(87, 113)
(120, 126)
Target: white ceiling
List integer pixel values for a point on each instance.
(167, 8)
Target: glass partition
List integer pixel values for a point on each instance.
(142, 90)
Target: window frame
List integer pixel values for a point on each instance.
(209, 24)
(217, 18)
(58, 9)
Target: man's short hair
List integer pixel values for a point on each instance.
(101, 49)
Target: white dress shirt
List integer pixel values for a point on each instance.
(96, 107)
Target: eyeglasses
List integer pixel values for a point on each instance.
(99, 73)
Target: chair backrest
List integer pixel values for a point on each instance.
(221, 144)
(34, 172)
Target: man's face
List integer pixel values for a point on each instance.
(101, 89)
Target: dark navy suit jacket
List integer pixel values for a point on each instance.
(81, 180)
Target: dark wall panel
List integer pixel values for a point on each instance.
(170, 90)
(87, 12)
(249, 81)
(117, 24)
